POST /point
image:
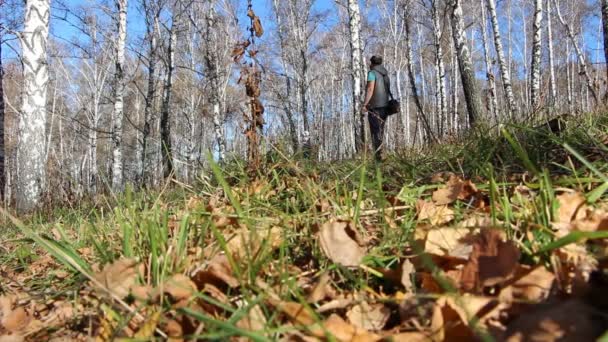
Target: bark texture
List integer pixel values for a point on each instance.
(504, 70)
(356, 61)
(536, 54)
(119, 92)
(32, 120)
(467, 74)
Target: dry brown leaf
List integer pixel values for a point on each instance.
(218, 273)
(13, 318)
(337, 243)
(246, 244)
(321, 289)
(530, 284)
(12, 338)
(571, 207)
(344, 331)
(297, 312)
(455, 189)
(455, 242)
(413, 336)
(572, 320)
(254, 320)
(436, 215)
(180, 288)
(121, 276)
(369, 316)
(492, 261)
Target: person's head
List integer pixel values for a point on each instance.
(376, 60)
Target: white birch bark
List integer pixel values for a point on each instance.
(441, 87)
(492, 99)
(552, 80)
(536, 55)
(579, 53)
(465, 63)
(504, 71)
(165, 119)
(32, 120)
(354, 24)
(605, 30)
(212, 64)
(119, 92)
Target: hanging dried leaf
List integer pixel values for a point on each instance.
(257, 27)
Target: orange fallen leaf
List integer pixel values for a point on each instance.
(455, 242)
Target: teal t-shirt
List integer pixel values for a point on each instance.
(371, 76)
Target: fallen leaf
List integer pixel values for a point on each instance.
(572, 320)
(529, 284)
(218, 273)
(571, 205)
(319, 292)
(147, 329)
(369, 316)
(436, 215)
(13, 318)
(455, 189)
(297, 312)
(337, 243)
(179, 287)
(120, 277)
(343, 331)
(455, 242)
(254, 320)
(492, 261)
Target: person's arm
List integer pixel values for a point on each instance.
(369, 93)
(371, 83)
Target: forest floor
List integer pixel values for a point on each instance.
(491, 238)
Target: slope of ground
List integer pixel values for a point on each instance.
(491, 238)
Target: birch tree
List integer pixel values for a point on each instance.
(536, 54)
(2, 113)
(440, 67)
(165, 120)
(504, 70)
(467, 74)
(492, 99)
(32, 120)
(354, 24)
(119, 92)
(605, 30)
(552, 80)
(579, 52)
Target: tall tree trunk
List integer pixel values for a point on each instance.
(467, 74)
(119, 91)
(492, 99)
(165, 119)
(412, 78)
(580, 54)
(2, 112)
(212, 61)
(605, 27)
(504, 70)
(151, 25)
(356, 61)
(536, 54)
(552, 80)
(32, 121)
(441, 87)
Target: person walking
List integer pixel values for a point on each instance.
(376, 103)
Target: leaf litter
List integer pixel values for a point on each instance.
(463, 275)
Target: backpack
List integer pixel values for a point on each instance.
(394, 106)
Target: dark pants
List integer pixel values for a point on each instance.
(377, 119)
